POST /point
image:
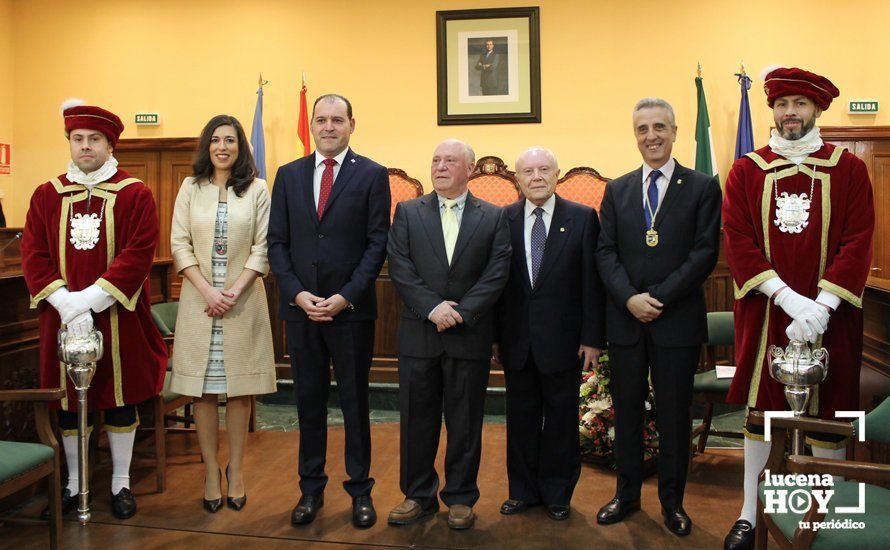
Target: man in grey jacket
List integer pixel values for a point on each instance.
(449, 256)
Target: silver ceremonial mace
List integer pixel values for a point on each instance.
(799, 369)
(80, 355)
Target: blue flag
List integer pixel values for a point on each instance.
(257, 139)
(744, 141)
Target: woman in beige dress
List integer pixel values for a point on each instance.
(223, 342)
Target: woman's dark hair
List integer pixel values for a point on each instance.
(243, 171)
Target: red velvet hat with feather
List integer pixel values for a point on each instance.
(78, 116)
(784, 81)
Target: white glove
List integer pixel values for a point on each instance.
(57, 297)
(828, 299)
(81, 325)
(68, 304)
(801, 332)
(802, 309)
(97, 298)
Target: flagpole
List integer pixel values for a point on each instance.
(257, 135)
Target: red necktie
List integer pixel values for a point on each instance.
(327, 183)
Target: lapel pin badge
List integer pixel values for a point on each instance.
(562, 229)
(352, 160)
(679, 181)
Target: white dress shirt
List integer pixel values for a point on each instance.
(458, 208)
(667, 171)
(319, 170)
(547, 216)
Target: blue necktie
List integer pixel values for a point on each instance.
(539, 240)
(652, 194)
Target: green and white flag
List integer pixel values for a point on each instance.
(705, 160)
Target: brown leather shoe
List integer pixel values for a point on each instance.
(461, 516)
(410, 511)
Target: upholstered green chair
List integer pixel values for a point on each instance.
(785, 527)
(24, 464)
(707, 388)
(168, 402)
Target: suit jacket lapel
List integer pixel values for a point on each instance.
(517, 239)
(306, 182)
(634, 202)
(675, 188)
(468, 222)
(560, 227)
(343, 177)
(432, 224)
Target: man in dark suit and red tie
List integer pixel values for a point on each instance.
(327, 242)
(551, 321)
(658, 242)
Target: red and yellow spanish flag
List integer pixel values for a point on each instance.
(303, 122)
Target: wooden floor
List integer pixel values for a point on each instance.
(176, 519)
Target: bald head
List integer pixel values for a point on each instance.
(536, 154)
(452, 164)
(537, 172)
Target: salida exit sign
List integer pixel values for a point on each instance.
(148, 119)
(863, 106)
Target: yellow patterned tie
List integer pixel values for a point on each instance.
(450, 227)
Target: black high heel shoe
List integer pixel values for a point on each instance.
(235, 503)
(215, 504)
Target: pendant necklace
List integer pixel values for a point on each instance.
(793, 211)
(220, 244)
(85, 227)
(651, 233)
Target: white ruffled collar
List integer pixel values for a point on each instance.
(105, 172)
(796, 150)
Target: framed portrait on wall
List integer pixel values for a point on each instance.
(489, 66)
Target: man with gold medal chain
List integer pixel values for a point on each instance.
(657, 245)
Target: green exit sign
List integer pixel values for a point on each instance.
(148, 119)
(863, 106)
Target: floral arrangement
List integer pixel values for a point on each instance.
(596, 424)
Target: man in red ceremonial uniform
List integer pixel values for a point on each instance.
(87, 250)
(798, 218)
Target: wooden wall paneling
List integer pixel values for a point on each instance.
(175, 167)
(880, 177)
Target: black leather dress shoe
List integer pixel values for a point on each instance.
(740, 537)
(615, 510)
(69, 504)
(307, 509)
(515, 506)
(236, 503)
(213, 505)
(677, 521)
(363, 513)
(558, 512)
(123, 504)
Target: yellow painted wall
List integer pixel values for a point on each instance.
(192, 59)
(7, 72)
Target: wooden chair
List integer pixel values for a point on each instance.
(402, 187)
(167, 402)
(707, 388)
(785, 527)
(584, 185)
(25, 464)
(491, 181)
